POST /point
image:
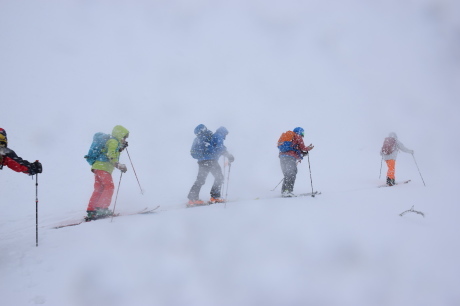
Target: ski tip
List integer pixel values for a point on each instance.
(67, 225)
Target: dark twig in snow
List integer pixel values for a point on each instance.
(412, 210)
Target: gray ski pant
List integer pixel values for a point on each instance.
(204, 167)
(289, 168)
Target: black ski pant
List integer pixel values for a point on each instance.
(204, 167)
(289, 168)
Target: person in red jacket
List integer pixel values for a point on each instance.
(10, 159)
(291, 153)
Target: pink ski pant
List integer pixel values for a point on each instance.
(103, 190)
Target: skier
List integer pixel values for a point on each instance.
(102, 169)
(292, 150)
(389, 152)
(9, 158)
(207, 149)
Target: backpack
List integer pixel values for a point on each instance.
(389, 145)
(97, 147)
(201, 145)
(285, 141)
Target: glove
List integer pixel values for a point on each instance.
(310, 147)
(38, 166)
(230, 157)
(123, 146)
(35, 167)
(121, 167)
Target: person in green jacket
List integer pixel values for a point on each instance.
(102, 168)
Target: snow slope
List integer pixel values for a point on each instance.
(348, 73)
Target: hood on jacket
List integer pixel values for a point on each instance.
(222, 131)
(119, 132)
(200, 128)
(393, 135)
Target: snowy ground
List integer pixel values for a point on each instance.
(340, 248)
(348, 73)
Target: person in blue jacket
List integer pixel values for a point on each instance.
(207, 149)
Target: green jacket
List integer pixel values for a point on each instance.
(112, 150)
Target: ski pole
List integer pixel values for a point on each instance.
(228, 181)
(36, 209)
(116, 197)
(381, 162)
(142, 191)
(223, 182)
(418, 170)
(311, 180)
(277, 185)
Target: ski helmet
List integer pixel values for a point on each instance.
(299, 131)
(3, 138)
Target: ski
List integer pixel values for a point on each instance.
(141, 212)
(398, 183)
(312, 194)
(211, 202)
(197, 205)
(308, 194)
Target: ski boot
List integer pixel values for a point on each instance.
(103, 213)
(91, 215)
(216, 200)
(287, 194)
(193, 203)
(390, 182)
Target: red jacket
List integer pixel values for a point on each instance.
(299, 147)
(9, 158)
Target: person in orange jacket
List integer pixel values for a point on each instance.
(10, 159)
(389, 152)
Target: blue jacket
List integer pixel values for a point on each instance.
(208, 146)
(217, 144)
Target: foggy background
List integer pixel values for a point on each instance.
(348, 72)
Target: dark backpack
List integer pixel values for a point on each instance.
(285, 142)
(97, 148)
(389, 145)
(201, 145)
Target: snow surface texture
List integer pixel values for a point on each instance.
(349, 72)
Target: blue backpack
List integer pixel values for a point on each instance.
(201, 146)
(97, 147)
